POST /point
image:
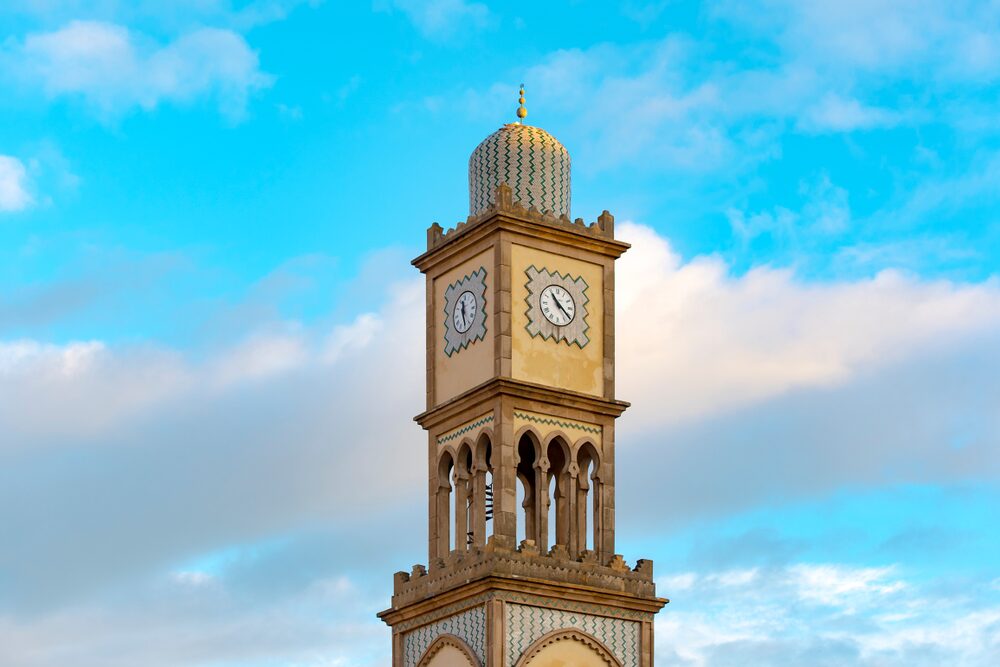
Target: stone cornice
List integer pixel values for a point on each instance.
(520, 389)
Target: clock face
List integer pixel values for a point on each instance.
(557, 305)
(464, 312)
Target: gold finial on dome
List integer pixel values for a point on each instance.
(521, 111)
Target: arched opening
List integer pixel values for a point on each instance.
(588, 497)
(557, 500)
(442, 510)
(480, 484)
(448, 651)
(488, 507)
(526, 478)
(463, 497)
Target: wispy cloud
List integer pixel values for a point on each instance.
(837, 114)
(441, 19)
(822, 614)
(115, 70)
(14, 191)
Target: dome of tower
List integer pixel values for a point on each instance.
(529, 160)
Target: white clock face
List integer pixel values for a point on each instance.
(557, 305)
(464, 312)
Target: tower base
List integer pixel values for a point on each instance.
(496, 608)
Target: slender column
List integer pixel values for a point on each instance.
(478, 522)
(573, 512)
(529, 513)
(600, 543)
(582, 487)
(461, 510)
(542, 504)
(443, 521)
(504, 458)
(562, 495)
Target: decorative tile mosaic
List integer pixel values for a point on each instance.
(469, 291)
(552, 421)
(465, 428)
(530, 161)
(567, 605)
(538, 325)
(469, 626)
(526, 624)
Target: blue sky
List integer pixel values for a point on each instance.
(207, 210)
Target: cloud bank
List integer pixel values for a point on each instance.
(139, 468)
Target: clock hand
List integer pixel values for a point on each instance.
(560, 306)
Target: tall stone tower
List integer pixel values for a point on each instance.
(520, 420)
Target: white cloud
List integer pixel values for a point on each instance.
(838, 585)
(705, 342)
(823, 614)
(353, 337)
(115, 70)
(837, 114)
(443, 18)
(14, 192)
(175, 456)
(259, 357)
(889, 36)
(36, 358)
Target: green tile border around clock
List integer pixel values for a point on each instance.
(583, 305)
(449, 347)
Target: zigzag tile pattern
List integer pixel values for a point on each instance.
(457, 433)
(526, 624)
(530, 161)
(549, 421)
(470, 626)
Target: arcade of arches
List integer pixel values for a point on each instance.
(559, 486)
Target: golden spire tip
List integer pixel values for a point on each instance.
(522, 112)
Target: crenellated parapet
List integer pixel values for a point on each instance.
(505, 204)
(462, 567)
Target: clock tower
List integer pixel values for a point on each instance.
(520, 418)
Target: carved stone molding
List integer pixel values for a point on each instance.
(568, 636)
(448, 640)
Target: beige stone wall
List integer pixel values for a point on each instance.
(450, 656)
(565, 653)
(534, 359)
(473, 365)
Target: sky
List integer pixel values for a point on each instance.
(207, 212)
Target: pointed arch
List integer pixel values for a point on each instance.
(442, 506)
(483, 449)
(597, 648)
(588, 494)
(463, 493)
(481, 485)
(528, 453)
(443, 642)
(557, 488)
(534, 438)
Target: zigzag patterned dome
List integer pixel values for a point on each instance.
(529, 160)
